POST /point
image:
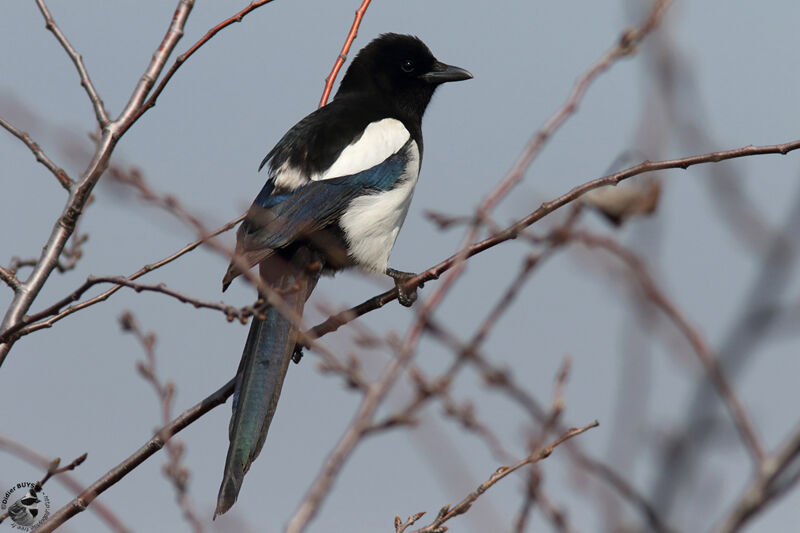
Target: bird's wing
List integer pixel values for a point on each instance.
(276, 219)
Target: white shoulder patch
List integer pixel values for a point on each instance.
(371, 222)
(380, 140)
(288, 177)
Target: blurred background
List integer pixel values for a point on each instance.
(722, 244)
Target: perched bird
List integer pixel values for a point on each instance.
(338, 189)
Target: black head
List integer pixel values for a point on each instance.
(401, 70)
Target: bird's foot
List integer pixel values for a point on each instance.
(405, 295)
(298, 353)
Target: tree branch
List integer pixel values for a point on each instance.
(351, 36)
(57, 171)
(336, 321)
(139, 110)
(40, 461)
(86, 82)
(82, 501)
(447, 512)
(702, 350)
(81, 191)
(9, 279)
(774, 478)
(35, 322)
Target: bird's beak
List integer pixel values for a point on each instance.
(441, 73)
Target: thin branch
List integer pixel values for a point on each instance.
(40, 461)
(181, 59)
(37, 151)
(53, 469)
(86, 83)
(351, 36)
(35, 322)
(80, 193)
(774, 478)
(447, 512)
(702, 350)
(8, 277)
(175, 470)
(134, 108)
(624, 47)
(82, 501)
(334, 322)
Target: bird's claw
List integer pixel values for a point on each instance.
(405, 295)
(297, 354)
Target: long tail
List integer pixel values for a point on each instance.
(265, 360)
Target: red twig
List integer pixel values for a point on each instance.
(151, 101)
(343, 54)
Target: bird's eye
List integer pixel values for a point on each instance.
(407, 65)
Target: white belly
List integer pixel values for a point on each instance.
(371, 223)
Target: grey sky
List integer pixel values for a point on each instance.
(233, 100)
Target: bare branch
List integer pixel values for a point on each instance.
(8, 277)
(624, 47)
(35, 322)
(80, 192)
(447, 512)
(30, 456)
(86, 83)
(175, 470)
(703, 351)
(513, 231)
(776, 475)
(37, 151)
(82, 501)
(351, 36)
(53, 469)
(138, 110)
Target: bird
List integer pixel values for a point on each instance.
(339, 185)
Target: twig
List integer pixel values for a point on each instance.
(41, 157)
(82, 501)
(624, 47)
(342, 57)
(447, 512)
(35, 322)
(775, 477)
(229, 311)
(81, 191)
(175, 470)
(8, 277)
(334, 322)
(53, 469)
(400, 526)
(181, 59)
(30, 456)
(86, 83)
(707, 358)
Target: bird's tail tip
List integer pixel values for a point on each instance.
(228, 492)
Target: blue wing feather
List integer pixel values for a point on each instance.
(278, 218)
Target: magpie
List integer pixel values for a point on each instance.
(339, 184)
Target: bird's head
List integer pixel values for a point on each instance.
(399, 69)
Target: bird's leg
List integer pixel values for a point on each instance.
(405, 295)
(297, 355)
